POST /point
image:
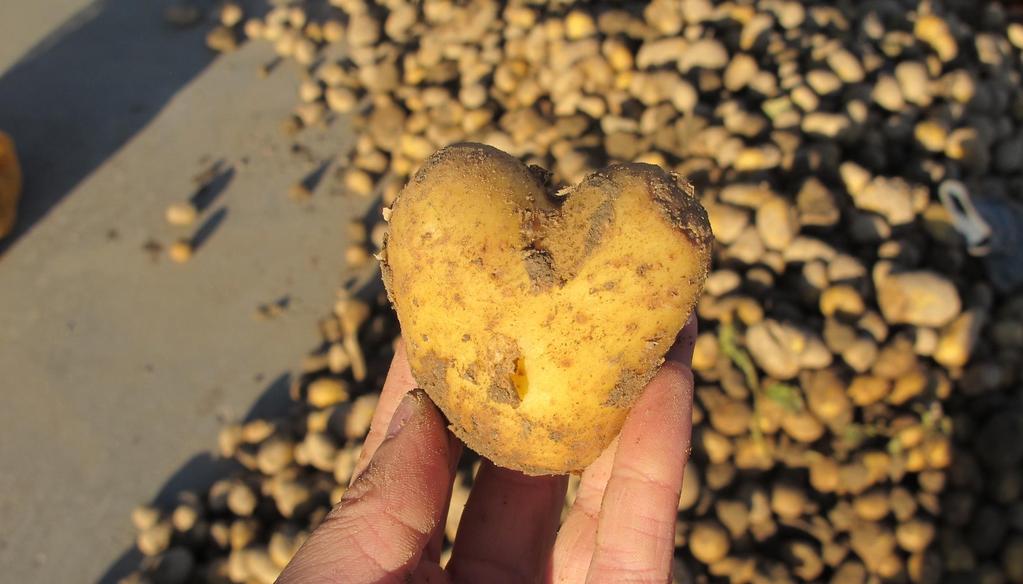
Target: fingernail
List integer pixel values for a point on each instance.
(681, 351)
(401, 416)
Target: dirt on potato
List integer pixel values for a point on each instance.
(561, 355)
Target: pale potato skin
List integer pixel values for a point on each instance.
(534, 321)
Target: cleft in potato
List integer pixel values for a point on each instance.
(534, 319)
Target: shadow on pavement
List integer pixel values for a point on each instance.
(84, 91)
(196, 474)
(208, 227)
(201, 471)
(212, 182)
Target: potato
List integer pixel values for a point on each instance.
(533, 319)
(10, 184)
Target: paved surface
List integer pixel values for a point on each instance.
(116, 368)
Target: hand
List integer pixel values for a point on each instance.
(389, 526)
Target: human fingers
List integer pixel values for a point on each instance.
(573, 548)
(636, 524)
(379, 530)
(576, 540)
(398, 383)
(508, 527)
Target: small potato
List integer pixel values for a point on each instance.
(181, 213)
(534, 320)
(10, 184)
(180, 251)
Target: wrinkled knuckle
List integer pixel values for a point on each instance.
(610, 572)
(407, 522)
(638, 478)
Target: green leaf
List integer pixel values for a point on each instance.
(854, 435)
(786, 396)
(894, 447)
(730, 347)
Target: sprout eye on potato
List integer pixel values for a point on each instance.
(533, 319)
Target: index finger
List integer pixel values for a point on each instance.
(398, 383)
(382, 528)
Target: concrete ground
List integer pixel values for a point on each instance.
(117, 368)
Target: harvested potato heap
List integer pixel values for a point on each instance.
(858, 409)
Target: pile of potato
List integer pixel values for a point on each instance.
(859, 413)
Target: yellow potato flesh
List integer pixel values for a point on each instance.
(534, 321)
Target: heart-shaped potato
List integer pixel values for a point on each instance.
(533, 319)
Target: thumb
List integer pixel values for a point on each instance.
(383, 523)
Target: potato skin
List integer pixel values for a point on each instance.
(534, 321)
(10, 184)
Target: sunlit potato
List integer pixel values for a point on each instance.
(535, 319)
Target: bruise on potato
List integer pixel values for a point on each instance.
(535, 320)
